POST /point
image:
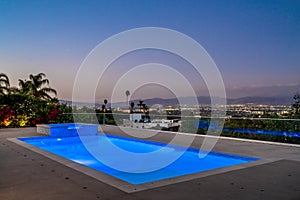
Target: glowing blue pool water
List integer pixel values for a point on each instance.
(73, 149)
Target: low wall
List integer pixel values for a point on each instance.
(67, 130)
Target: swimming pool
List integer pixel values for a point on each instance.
(73, 149)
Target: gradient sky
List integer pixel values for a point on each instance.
(255, 44)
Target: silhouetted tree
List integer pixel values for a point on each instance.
(36, 86)
(140, 105)
(132, 106)
(127, 93)
(4, 84)
(104, 108)
(296, 105)
(24, 87)
(5, 87)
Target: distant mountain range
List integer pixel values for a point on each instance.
(201, 99)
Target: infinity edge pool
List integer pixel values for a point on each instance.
(125, 186)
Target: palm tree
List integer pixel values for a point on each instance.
(5, 87)
(25, 87)
(127, 93)
(105, 102)
(35, 86)
(104, 109)
(4, 84)
(141, 105)
(132, 106)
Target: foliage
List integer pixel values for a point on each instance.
(30, 104)
(94, 115)
(36, 86)
(265, 137)
(19, 110)
(296, 106)
(4, 84)
(247, 127)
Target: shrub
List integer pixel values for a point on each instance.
(18, 110)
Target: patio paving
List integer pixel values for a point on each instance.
(25, 174)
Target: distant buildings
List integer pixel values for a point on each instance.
(232, 110)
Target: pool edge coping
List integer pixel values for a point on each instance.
(132, 188)
(217, 137)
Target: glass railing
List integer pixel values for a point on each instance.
(270, 129)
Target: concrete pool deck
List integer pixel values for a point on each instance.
(25, 174)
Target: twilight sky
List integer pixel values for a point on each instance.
(255, 44)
